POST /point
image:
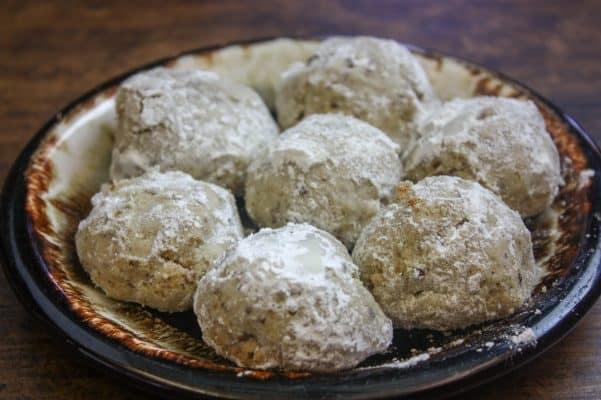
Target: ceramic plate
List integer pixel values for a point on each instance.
(48, 191)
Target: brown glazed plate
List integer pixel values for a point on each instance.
(49, 187)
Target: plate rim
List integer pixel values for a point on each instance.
(18, 248)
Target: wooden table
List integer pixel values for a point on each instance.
(50, 53)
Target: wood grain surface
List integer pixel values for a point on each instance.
(51, 52)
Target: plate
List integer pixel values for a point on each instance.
(47, 193)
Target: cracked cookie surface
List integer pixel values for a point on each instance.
(446, 254)
(376, 80)
(330, 170)
(501, 143)
(192, 121)
(149, 239)
(290, 298)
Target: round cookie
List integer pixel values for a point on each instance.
(376, 80)
(149, 239)
(330, 170)
(499, 142)
(192, 121)
(290, 298)
(447, 254)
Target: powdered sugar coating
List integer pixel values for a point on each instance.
(330, 170)
(190, 120)
(149, 239)
(447, 254)
(501, 143)
(376, 80)
(290, 298)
